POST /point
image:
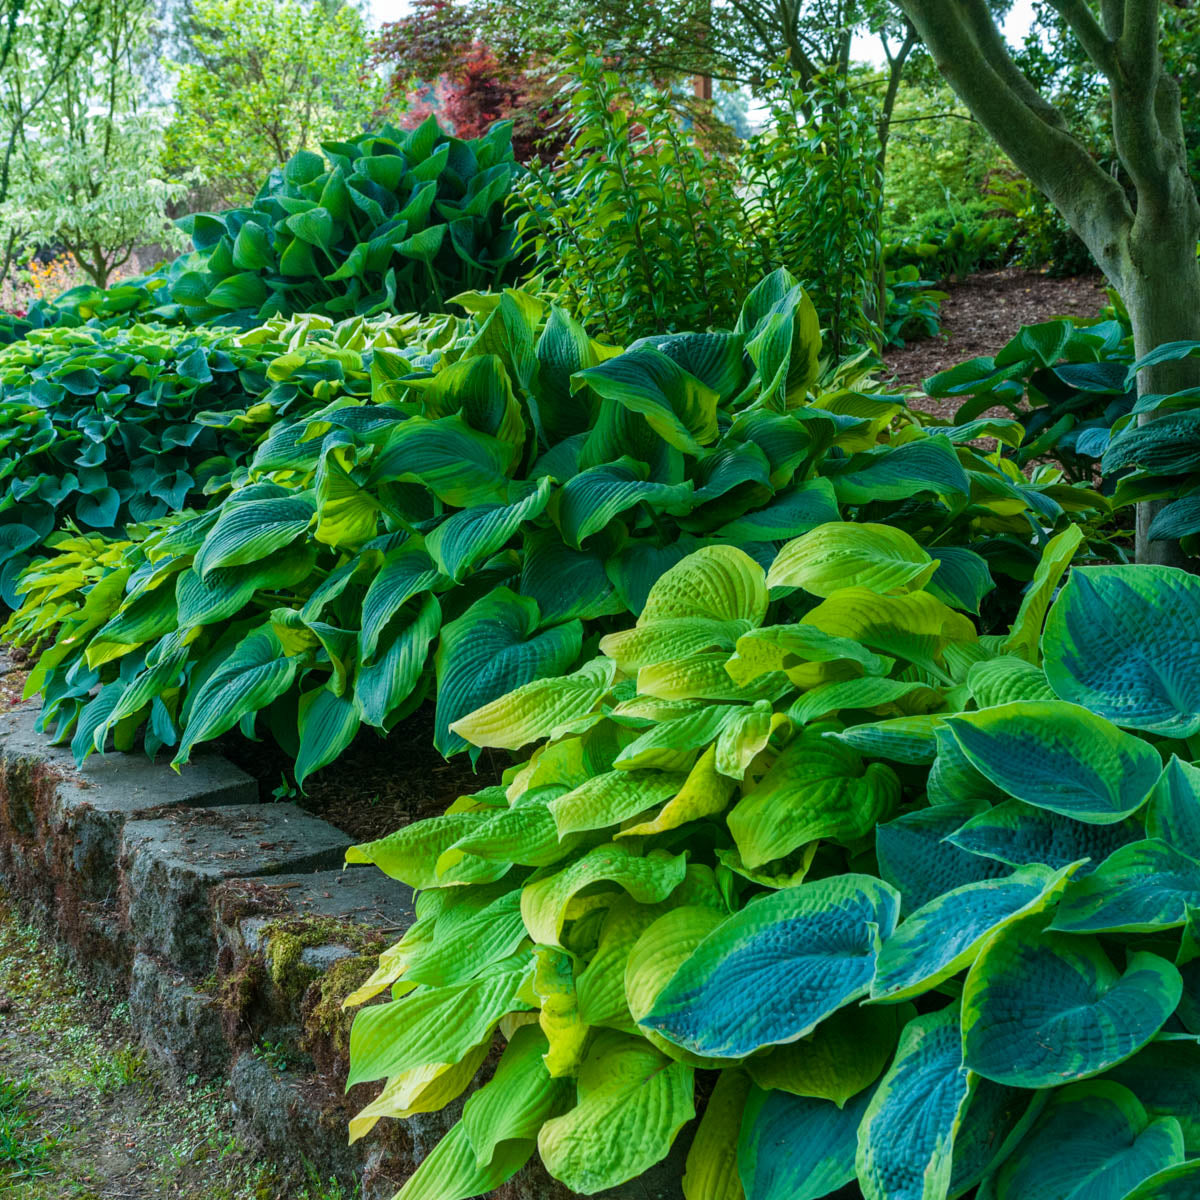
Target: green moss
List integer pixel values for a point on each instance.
(325, 1021)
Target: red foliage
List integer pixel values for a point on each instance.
(437, 65)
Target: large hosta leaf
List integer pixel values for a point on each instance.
(1061, 757)
(880, 558)
(1041, 1008)
(817, 788)
(1163, 1077)
(591, 499)
(906, 1140)
(1174, 810)
(945, 936)
(772, 972)
(1093, 1141)
(473, 535)
(452, 1170)
(797, 1148)
(712, 1162)
(720, 583)
(1103, 652)
(251, 530)
(1179, 1182)
(1139, 888)
(1027, 628)
(492, 649)
(633, 1100)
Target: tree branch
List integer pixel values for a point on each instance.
(1095, 42)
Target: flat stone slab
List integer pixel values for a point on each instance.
(170, 862)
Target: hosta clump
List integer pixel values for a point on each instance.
(395, 220)
(914, 909)
(512, 485)
(1068, 382)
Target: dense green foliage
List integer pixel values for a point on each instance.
(390, 221)
(484, 494)
(745, 849)
(642, 228)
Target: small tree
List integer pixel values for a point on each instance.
(271, 77)
(89, 178)
(1142, 234)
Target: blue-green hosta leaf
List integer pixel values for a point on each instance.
(817, 788)
(328, 724)
(797, 1148)
(536, 709)
(251, 530)
(784, 341)
(880, 558)
(953, 778)
(383, 685)
(772, 972)
(407, 571)
(714, 357)
(1041, 1008)
(647, 878)
(996, 1118)
(470, 537)
(225, 591)
(1174, 810)
(1061, 757)
(491, 650)
(566, 583)
(906, 1139)
(900, 739)
(255, 673)
(804, 506)
(1026, 634)
(719, 583)
(434, 1025)
(1139, 888)
(1016, 833)
(843, 1055)
(633, 1101)
(1093, 1141)
(591, 499)
(1125, 642)
(917, 857)
(1163, 1077)
(1006, 679)
(962, 578)
(946, 935)
(897, 473)
(676, 405)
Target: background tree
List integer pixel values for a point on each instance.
(1143, 233)
(89, 177)
(270, 77)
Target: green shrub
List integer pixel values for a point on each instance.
(907, 906)
(390, 221)
(954, 250)
(510, 487)
(642, 228)
(913, 307)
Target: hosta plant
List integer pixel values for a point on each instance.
(398, 220)
(504, 497)
(889, 906)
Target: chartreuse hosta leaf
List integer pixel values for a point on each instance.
(1042, 1007)
(945, 936)
(1016, 833)
(906, 1139)
(711, 1172)
(797, 1148)
(412, 854)
(1026, 632)
(840, 555)
(1005, 679)
(1061, 757)
(632, 1102)
(1093, 1141)
(801, 651)
(611, 798)
(772, 972)
(843, 1055)
(717, 583)
(704, 793)
(451, 1171)
(1138, 673)
(817, 788)
(1139, 888)
(669, 638)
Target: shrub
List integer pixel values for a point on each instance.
(913, 307)
(954, 250)
(390, 221)
(511, 487)
(908, 906)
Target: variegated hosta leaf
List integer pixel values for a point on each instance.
(632, 1102)
(1016, 833)
(843, 1055)
(1173, 813)
(1059, 756)
(797, 1148)
(900, 739)
(536, 709)
(880, 558)
(1163, 1077)
(1101, 653)
(906, 1140)
(1139, 888)
(773, 971)
(817, 788)
(945, 936)
(1179, 1182)
(1093, 1141)
(1042, 1008)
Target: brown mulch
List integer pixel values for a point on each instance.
(981, 315)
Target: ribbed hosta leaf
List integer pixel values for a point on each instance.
(877, 557)
(251, 530)
(1173, 813)
(720, 583)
